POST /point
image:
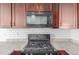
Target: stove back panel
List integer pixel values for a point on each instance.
(38, 36)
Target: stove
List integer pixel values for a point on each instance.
(39, 44)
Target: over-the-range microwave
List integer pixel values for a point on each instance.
(38, 19)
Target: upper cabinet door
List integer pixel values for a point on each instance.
(38, 7)
(78, 15)
(68, 15)
(5, 15)
(55, 15)
(44, 7)
(29, 7)
(18, 15)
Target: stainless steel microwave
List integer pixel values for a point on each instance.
(38, 19)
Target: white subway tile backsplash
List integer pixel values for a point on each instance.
(19, 34)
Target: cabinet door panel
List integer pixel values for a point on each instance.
(67, 15)
(44, 7)
(19, 15)
(29, 7)
(78, 15)
(5, 15)
(55, 15)
(38, 7)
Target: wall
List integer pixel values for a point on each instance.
(12, 34)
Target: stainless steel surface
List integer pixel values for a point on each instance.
(38, 20)
(38, 43)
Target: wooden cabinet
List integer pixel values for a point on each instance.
(12, 15)
(53, 8)
(44, 7)
(78, 15)
(5, 15)
(18, 15)
(29, 7)
(63, 15)
(55, 15)
(38, 7)
(15, 14)
(67, 15)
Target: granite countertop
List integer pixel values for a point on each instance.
(7, 47)
(69, 47)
